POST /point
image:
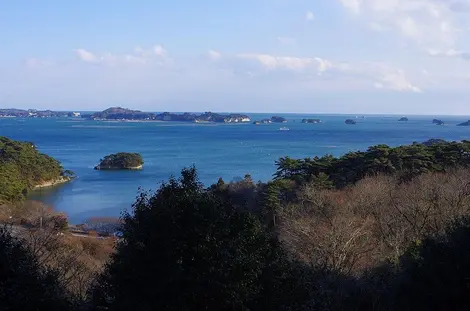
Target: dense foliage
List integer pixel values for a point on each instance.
(186, 249)
(121, 160)
(25, 284)
(22, 167)
(435, 272)
(408, 161)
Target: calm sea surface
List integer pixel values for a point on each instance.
(217, 150)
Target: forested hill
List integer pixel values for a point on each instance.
(22, 167)
(407, 161)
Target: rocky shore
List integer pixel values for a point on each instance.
(53, 183)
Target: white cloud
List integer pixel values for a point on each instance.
(378, 74)
(249, 78)
(159, 51)
(410, 28)
(309, 16)
(353, 5)
(86, 56)
(120, 78)
(423, 22)
(271, 62)
(286, 40)
(214, 55)
(36, 62)
(396, 80)
(155, 55)
(451, 53)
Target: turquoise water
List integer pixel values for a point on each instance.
(217, 150)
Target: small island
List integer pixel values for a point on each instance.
(350, 121)
(403, 119)
(464, 123)
(121, 161)
(277, 119)
(313, 121)
(438, 122)
(273, 119)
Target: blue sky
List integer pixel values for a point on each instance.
(325, 56)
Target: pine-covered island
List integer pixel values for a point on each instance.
(121, 161)
(23, 168)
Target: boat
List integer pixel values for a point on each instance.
(283, 128)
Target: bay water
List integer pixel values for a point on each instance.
(217, 150)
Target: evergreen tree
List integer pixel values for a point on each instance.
(185, 249)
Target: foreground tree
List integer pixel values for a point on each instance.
(24, 284)
(185, 249)
(436, 272)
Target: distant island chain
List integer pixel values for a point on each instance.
(124, 114)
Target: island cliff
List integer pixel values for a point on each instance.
(121, 161)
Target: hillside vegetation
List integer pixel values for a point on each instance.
(406, 161)
(22, 167)
(385, 229)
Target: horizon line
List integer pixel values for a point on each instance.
(253, 112)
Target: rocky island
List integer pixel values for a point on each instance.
(118, 113)
(438, 122)
(121, 161)
(124, 114)
(274, 119)
(33, 113)
(313, 121)
(464, 123)
(403, 119)
(350, 121)
(220, 118)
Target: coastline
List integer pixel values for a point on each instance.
(52, 183)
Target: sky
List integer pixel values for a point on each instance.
(304, 56)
